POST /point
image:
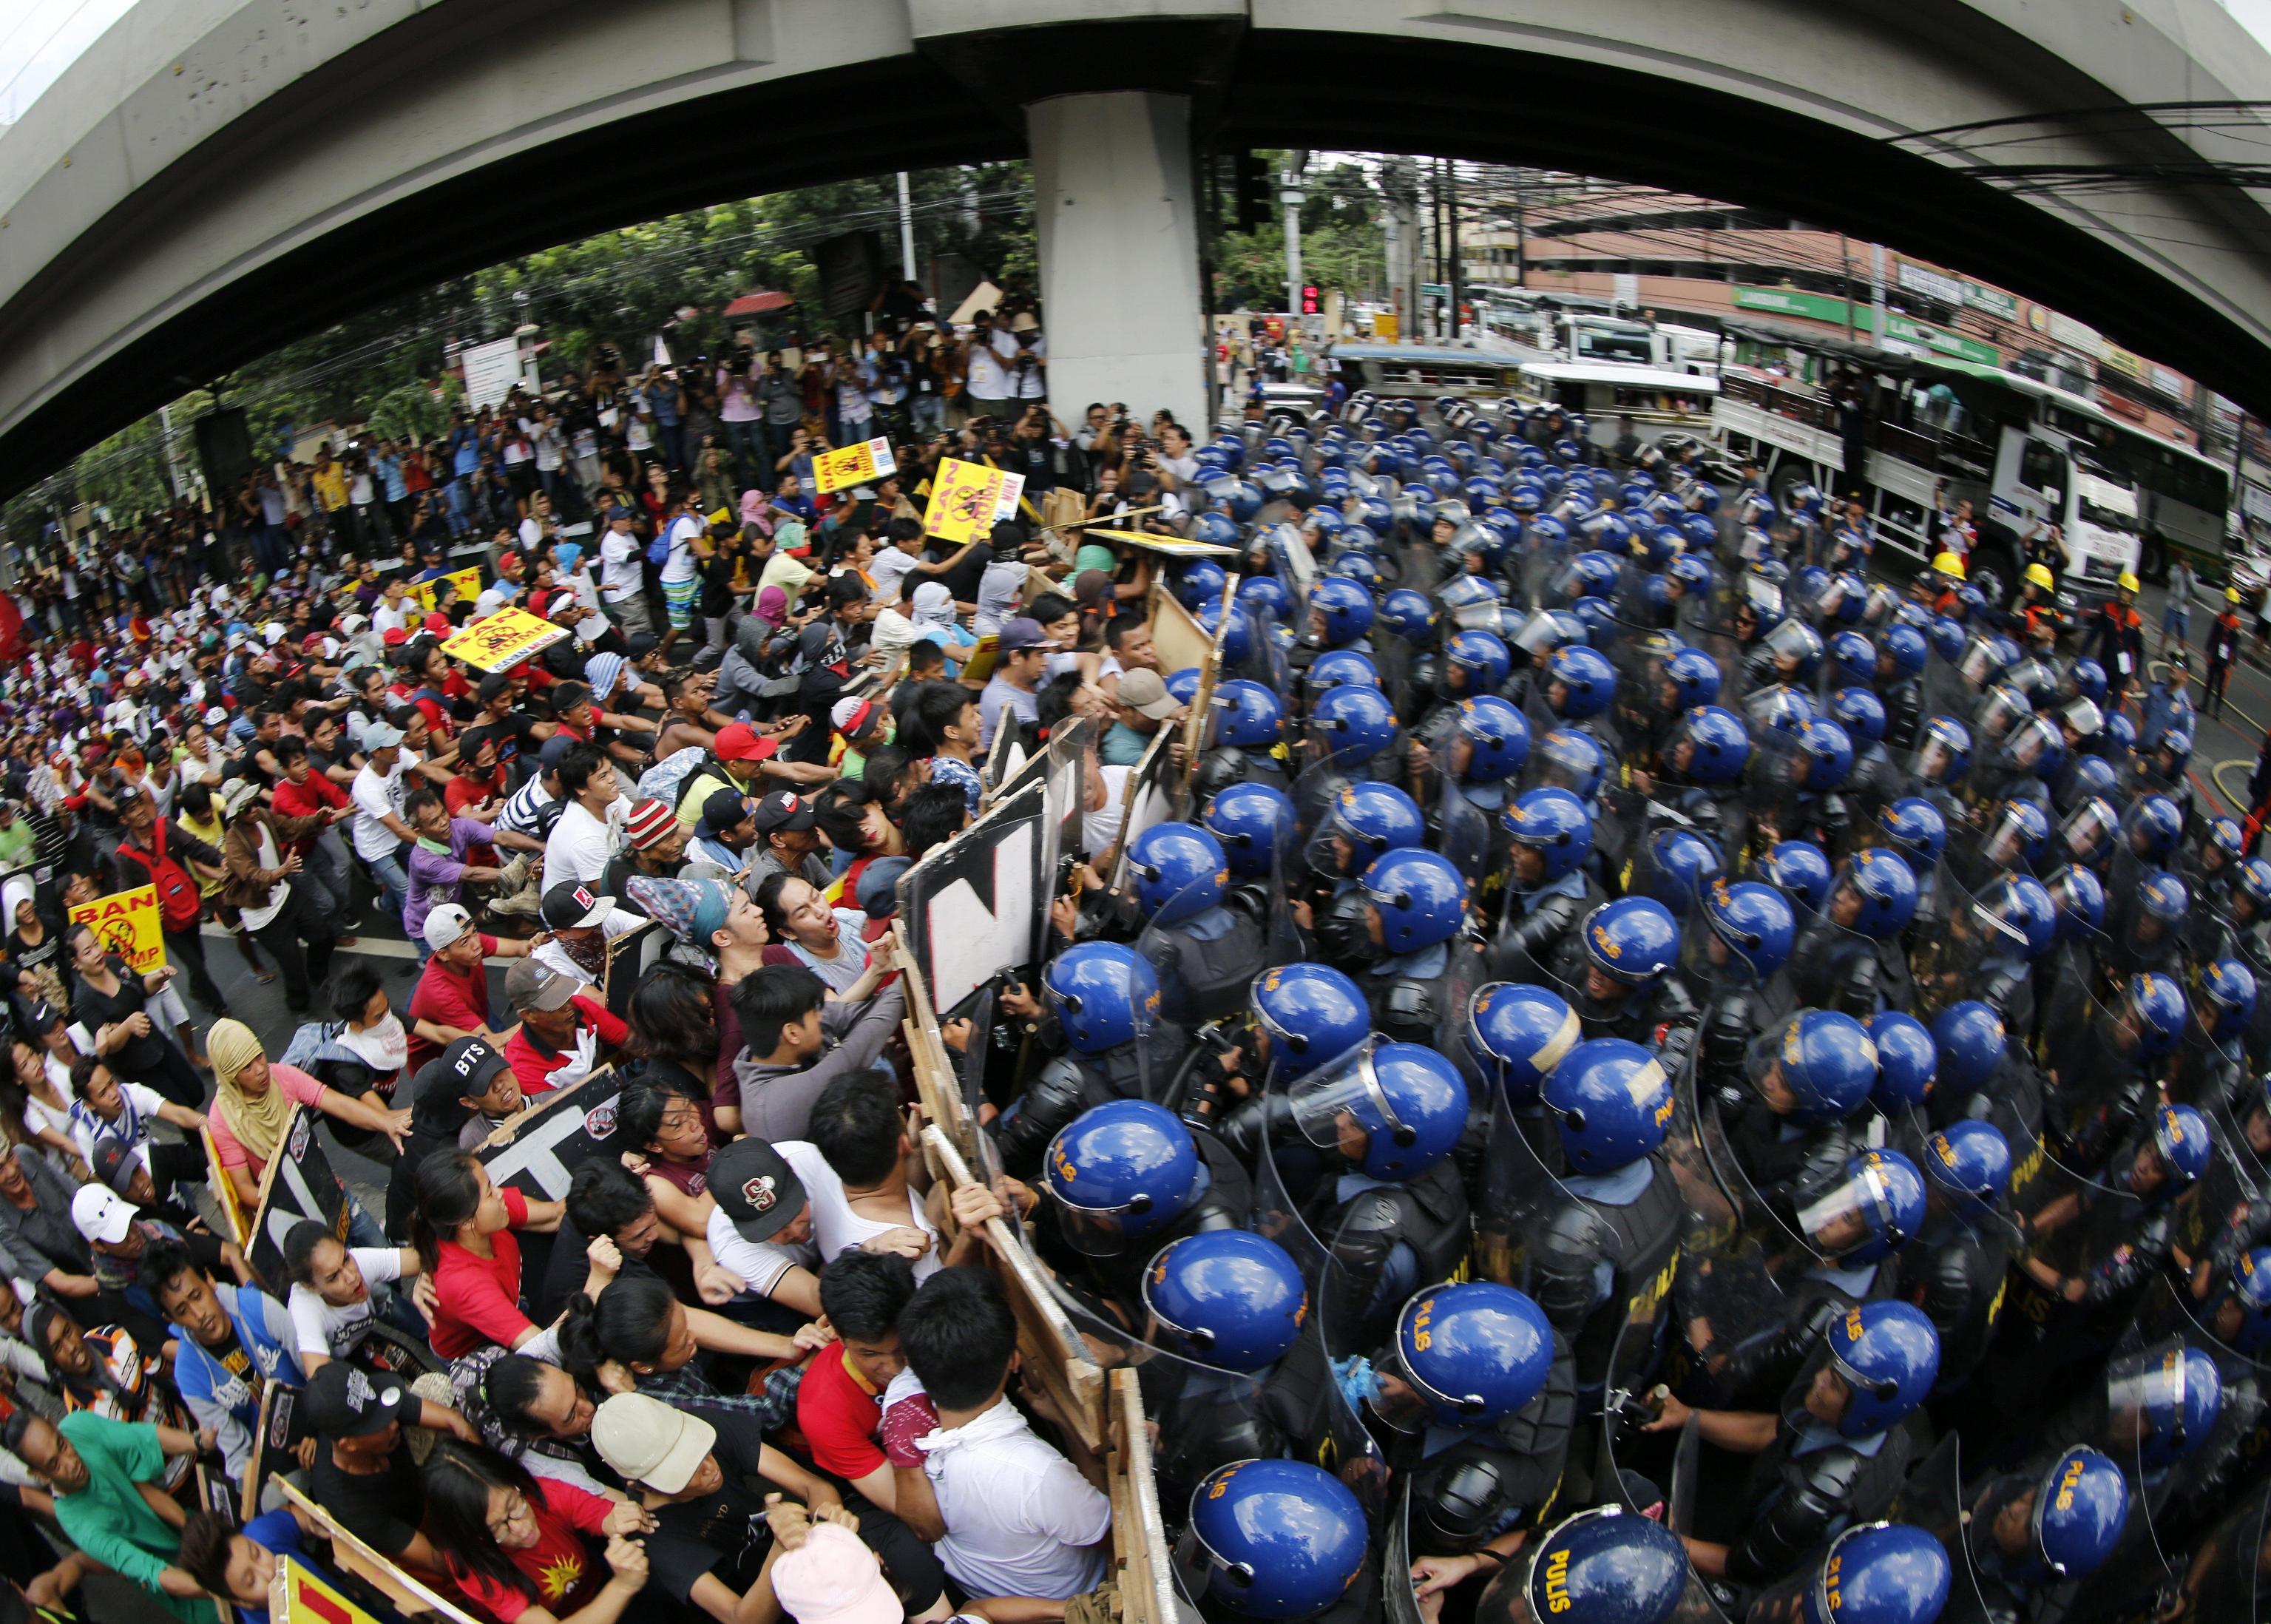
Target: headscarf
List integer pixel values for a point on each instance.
(773, 606)
(259, 1124)
(753, 510)
(691, 909)
(14, 893)
(933, 608)
(603, 671)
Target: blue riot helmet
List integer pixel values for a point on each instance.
(1945, 636)
(1272, 1539)
(1498, 737)
(1352, 725)
(1265, 596)
(2162, 899)
(1880, 1573)
(1605, 1566)
(2089, 829)
(1407, 1104)
(1853, 657)
(1970, 1164)
(1861, 714)
(1580, 682)
(2077, 898)
(1216, 529)
(1481, 659)
(1693, 574)
(1969, 1041)
(2092, 775)
(2152, 1013)
(1340, 613)
(2244, 1320)
(2085, 679)
(1887, 1355)
(1247, 715)
(1612, 1102)
(1914, 826)
(2018, 834)
(1798, 870)
(1708, 745)
(1569, 758)
(2153, 828)
(1554, 824)
(1827, 752)
(2227, 998)
(1407, 613)
(1310, 1014)
(1943, 752)
(1673, 865)
(2162, 1401)
(1327, 522)
(1352, 566)
(1364, 824)
(1846, 597)
(1238, 642)
(1184, 685)
(1599, 620)
(1693, 676)
(1200, 583)
(1227, 1298)
(1180, 870)
(1255, 823)
(1698, 534)
(1464, 1356)
(2226, 839)
(1778, 709)
(1120, 1171)
(1818, 1066)
(1517, 1035)
(2021, 905)
(1748, 930)
(2081, 1503)
(1632, 940)
(1340, 668)
(1419, 897)
(2181, 1140)
(1875, 894)
(1901, 653)
(2120, 737)
(1808, 583)
(1906, 1063)
(1795, 648)
(2252, 886)
(1105, 994)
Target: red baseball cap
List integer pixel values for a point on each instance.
(396, 637)
(739, 742)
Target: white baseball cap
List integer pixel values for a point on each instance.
(103, 1214)
(645, 1441)
(445, 925)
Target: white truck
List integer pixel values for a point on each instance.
(2021, 455)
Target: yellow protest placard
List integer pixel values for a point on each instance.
(467, 582)
(127, 924)
(504, 638)
(854, 465)
(967, 497)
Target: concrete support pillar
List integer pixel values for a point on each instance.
(1117, 220)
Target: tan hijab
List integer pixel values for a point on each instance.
(259, 1124)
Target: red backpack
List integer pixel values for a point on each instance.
(179, 903)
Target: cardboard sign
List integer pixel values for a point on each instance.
(537, 1151)
(224, 1191)
(410, 1596)
(466, 581)
(297, 1185)
(854, 465)
(127, 924)
(295, 1595)
(1153, 541)
(966, 498)
(977, 906)
(275, 1446)
(503, 639)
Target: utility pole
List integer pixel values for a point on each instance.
(1288, 193)
(906, 230)
(1451, 179)
(1876, 290)
(1845, 261)
(1400, 184)
(1520, 234)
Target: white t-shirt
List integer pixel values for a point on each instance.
(681, 563)
(987, 376)
(391, 616)
(619, 561)
(890, 569)
(836, 1229)
(144, 1098)
(1020, 1519)
(580, 845)
(376, 797)
(279, 893)
(320, 1328)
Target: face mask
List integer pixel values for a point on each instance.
(383, 1048)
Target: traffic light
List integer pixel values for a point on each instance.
(1253, 191)
(1308, 302)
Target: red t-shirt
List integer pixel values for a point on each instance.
(559, 1566)
(477, 1299)
(839, 1415)
(533, 1067)
(447, 998)
(305, 798)
(470, 789)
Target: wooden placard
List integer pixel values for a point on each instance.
(935, 1080)
(298, 1184)
(538, 1150)
(224, 1191)
(1177, 638)
(979, 905)
(1045, 1335)
(1202, 701)
(357, 1559)
(275, 1445)
(629, 957)
(1139, 1533)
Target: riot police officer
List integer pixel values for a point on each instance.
(1243, 741)
(1276, 1540)
(1954, 1272)
(1549, 887)
(1404, 935)
(1202, 939)
(2030, 1533)
(1105, 1001)
(1614, 970)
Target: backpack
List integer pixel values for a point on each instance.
(668, 776)
(179, 901)
(657, 551)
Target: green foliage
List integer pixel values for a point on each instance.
(1343, 245)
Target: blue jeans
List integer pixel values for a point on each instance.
(927, 412)
(393, 884)
(746, 442)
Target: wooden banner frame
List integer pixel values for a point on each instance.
(300, 1115)
(1139, 1533)
(1045, 1331)
(351, 1557)
(1177, 638)
(586, 1101)
(1202, 701)
(224, 1191)
(935, 1076)
(271, 1454)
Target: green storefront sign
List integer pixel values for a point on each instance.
(1821, 308)
(1994, 300)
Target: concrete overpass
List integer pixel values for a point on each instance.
(215, 177)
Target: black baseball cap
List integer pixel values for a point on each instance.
(471, 1065)
(346, 1401)
(782, 810)
(755, 1188)
(572, 905)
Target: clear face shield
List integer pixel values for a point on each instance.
(2034, 742)
(1844, 1210)
(2089, 830)
(1340, 1106)
(2004, 843)
(1976, 665)
(2002, 710)
(1792, 645)
(1933, 762)
(1537, 635)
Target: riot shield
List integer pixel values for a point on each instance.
(1932, 1499)
(2228, 1576)
(1737, 1261)
(2096, 1082)
(1461, 831)
(1955, 940)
